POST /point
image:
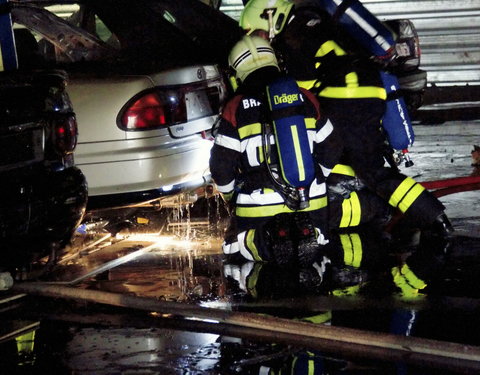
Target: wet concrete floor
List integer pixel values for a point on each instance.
(428, 291)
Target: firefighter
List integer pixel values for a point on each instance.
(351, 94)
(251, 162)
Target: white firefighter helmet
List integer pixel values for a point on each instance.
(250, 54)
(267, 15)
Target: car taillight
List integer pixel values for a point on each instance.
(154, 110)
(66, 132)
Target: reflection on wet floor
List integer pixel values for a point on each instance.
(419, 288)
(427, 291)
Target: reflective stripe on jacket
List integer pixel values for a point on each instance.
(238, 158)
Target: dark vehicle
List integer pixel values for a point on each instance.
(42, 194)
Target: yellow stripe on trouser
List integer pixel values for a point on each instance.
(272, 210)
(352, 249)
(405, 194)
(26, 342)
(298, 153)
(407, 281)
(351, 211)
(250, 245)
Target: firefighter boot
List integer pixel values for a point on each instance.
(442, 226)
(439, 235)
(281, 240)
(306, 240)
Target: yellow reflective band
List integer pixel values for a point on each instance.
(248, 130)
(252, 279)
(268, 211)
(310, 123)
(348, 291)
(407, 281)
(411, 197)
(351, 211)
(306, 84)
(354, 92)
(356, 209)
(351, 80)
(343, 169)
(352, 249)
(407, 290)
(328, 47)
(298, 152)
(405, 194)
(346, 213)
(412, 279)
(142, 220)
(250, 244)
(311, 367)
(260, 154)
(400, 191)
(25, 342)
(294, 364)
(233, 83)
(319, 318)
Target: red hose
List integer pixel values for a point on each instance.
(449, 182)
(452, 185)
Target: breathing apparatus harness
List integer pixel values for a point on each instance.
(285, 120)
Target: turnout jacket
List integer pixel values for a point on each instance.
(323, 58)
(237, 161)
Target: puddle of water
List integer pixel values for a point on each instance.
(69, 348)
(356, 290)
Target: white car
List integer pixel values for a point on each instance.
(145, 83)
